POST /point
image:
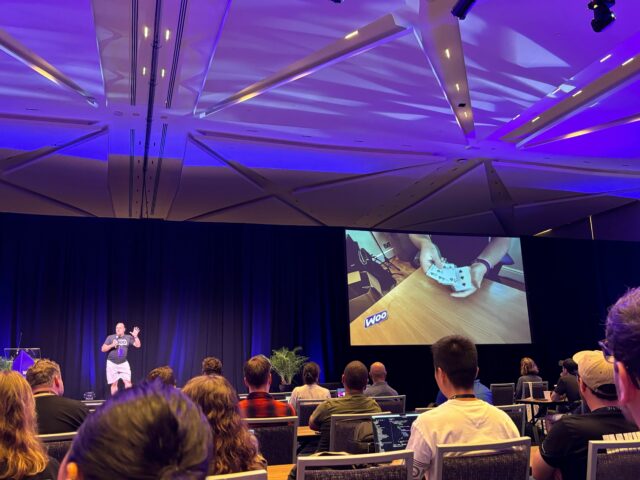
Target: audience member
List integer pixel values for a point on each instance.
(528, 373)
(622, 348)
(55, 413)
(165, 374)
(211, 366)
(22, 455)
(480, 390)
(565, 448)
(380, 387)
(148, 431)
(463, 418)
(259, 404)
(310, 390)
(354, 379)
(234, 448)
(567, 386)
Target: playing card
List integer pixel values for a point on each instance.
(463, 279)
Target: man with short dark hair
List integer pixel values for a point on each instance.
(380, 387)
(164, 374)
(565, 448)
(211, 366)
(56, 414)
(116, 347)
(259, 404)
(622, 349)
(567, 386)
(354, 379)
(463, 418)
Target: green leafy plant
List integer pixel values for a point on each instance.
(287, 363)
(5, 364)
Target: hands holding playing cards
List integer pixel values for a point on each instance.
(477, 272)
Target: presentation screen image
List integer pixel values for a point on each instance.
(413, 289)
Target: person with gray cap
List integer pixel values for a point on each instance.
(565, 448)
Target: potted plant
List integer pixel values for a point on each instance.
(286, 364)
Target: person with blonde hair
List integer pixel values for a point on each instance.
(234, 448)
(22, 454)
(528, 373)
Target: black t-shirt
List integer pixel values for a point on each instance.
(567, 444)
(59, 414)
(568, 385)
(119, 354)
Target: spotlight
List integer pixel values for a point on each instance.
(602, 14)
(461, 8)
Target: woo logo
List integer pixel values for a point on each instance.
(375, 318)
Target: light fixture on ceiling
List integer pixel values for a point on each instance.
(351, 35)
(461, 8)
(605, 58)
(167, 34)
(535, 119)
(602, 14)
(577, 93)
(145, 32)
(624, 64)
(447, 53)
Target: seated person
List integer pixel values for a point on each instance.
(211, 366)
(567, 386)
(22, 454)
(235, 449)
(310, 390)
(480, 390)
(148, 431)
(380, 387)
(259, 404)
(565, 447)
(354, 379)
(56, 414)
(528, 373)
(164, 374)
(461, 419)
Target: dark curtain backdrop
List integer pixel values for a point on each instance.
(233, 291)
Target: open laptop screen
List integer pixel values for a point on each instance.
(391, 432)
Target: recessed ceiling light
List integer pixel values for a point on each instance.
(162, 72)
(577, 93)
(457, 86)
(146, 32)
(605, 58)
(447, 53)
(535, 119)
(144, 70)
(167, 34)
(466, 115)
(517, 116)
(628, 61)
(351, 35)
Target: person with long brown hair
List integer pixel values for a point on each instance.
(234, 448)
(528, 373)
(22, 454)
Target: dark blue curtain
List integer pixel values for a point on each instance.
(194, 289)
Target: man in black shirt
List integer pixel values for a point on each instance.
(565, 448)
(567, 386)
(56, 414)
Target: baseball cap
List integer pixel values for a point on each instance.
(594, 370)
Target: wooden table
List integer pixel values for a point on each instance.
(305, 432)
(421, 311)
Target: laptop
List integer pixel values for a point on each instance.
(533, 390)
(391, 432)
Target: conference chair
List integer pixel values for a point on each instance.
(305, 408)
(424, 409)
(375, 466)
(620, 461)
(280, 395)
(502, 393)
(342, 430)
(392, 403)
(92, 404)
(277, 438)
(517, 413)
(253, 475)
(58, 444)
(504, 459)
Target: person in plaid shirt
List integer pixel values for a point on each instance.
(259, 404)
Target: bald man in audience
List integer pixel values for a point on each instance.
(380, 387)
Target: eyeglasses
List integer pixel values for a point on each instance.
(610, 357)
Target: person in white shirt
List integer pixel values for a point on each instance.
(310, 390)
(463, 418)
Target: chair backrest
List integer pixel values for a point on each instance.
(92, 404)
(502, 393)
(392, 403)
(58, 444)
(424, 409)
(504, 459)
(342, 429)
(622, 463)
(277, 438)
(399, 471)
(305, 408)
(517, 413)
(253, 475)
(280, 395)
